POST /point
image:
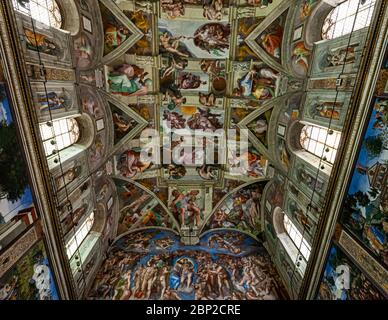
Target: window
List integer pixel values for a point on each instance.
(320, 142)
(59, 135)
(297, 238)
(80, 235)
(340, 21)
(292, 240)
(44, 11)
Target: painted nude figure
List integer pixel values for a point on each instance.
(171, 44)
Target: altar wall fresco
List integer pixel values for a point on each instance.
(154, 265)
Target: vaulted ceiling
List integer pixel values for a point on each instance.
(193, 68)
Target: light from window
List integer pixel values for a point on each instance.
(64, 132)
(340, 21)
(319, 142)
(44, 11)
(79, 236)
(297, 238)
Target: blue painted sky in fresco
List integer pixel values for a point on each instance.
(359, 181)
(249, 245)
(8, 209)
(5, 112)
(330, 272)
(53, 290)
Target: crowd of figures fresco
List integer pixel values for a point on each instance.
(139, 208)
(153, 264)
(241, 210)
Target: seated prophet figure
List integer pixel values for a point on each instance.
(129, 80)
(115, 36)
(184, 205)
(258, 83)
(271, 41)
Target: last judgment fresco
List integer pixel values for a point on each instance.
(155, 265)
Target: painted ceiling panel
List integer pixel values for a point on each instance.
(191, 70)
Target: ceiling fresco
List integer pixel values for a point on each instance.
(198, 87)
(185, 68)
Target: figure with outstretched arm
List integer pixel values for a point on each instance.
(171, 44)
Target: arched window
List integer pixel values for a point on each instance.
(297, 238)
(321, 142)
(59, 134)
(80, 235)
(44, 11)
(340, 21)
(291, 239)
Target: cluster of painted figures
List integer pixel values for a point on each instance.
(212, 9)
(152, 265)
